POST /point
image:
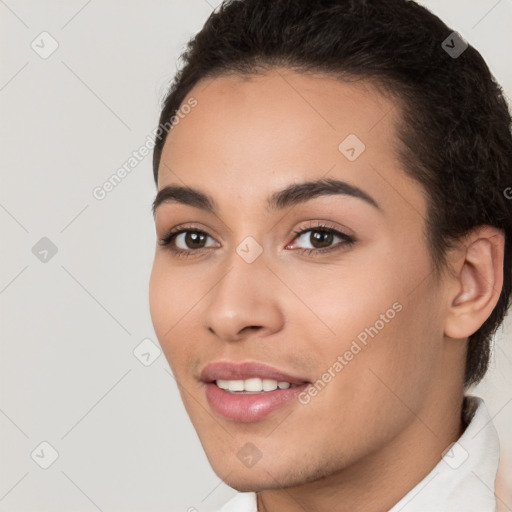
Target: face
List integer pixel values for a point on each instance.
(325, 289)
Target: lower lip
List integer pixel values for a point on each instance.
(251, 406)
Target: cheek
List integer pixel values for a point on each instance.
(159, 299)
(390, 360)
(380, 313)
(173, 299)
(346, 300)
(165, 304)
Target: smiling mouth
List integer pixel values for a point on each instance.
(249, 391)
(253, 385)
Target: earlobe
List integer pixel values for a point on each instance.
(478, 282)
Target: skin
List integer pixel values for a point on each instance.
(381, 424)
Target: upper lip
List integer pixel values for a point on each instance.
(227, 370)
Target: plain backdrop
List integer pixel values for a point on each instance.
(74, 269)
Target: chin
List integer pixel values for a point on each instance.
(262, 476)
(257, 478)
(252, 482)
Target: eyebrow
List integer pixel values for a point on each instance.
(290, 196)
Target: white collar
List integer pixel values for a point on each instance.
(462, 480)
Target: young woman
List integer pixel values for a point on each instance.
(334, 254)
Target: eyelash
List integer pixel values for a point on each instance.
(322, 228)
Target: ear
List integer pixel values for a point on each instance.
(476, 282)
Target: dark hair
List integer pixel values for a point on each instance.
(455, 128)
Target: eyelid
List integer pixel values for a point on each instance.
(181, 228)
(317, 225)
(326, 226)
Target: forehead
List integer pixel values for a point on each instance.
(256, 134)
(284, 104)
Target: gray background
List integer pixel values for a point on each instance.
(71, 323)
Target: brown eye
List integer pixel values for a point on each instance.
(185, 241)
(320, 239)
(194, 239)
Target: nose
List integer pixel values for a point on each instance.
(244, 302)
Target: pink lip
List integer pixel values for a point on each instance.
(241, 371)
(247, 407)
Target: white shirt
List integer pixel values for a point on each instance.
(462, 481)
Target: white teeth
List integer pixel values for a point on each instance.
(254, 384)
(236, 385)
(269, 384)
(223, 384)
